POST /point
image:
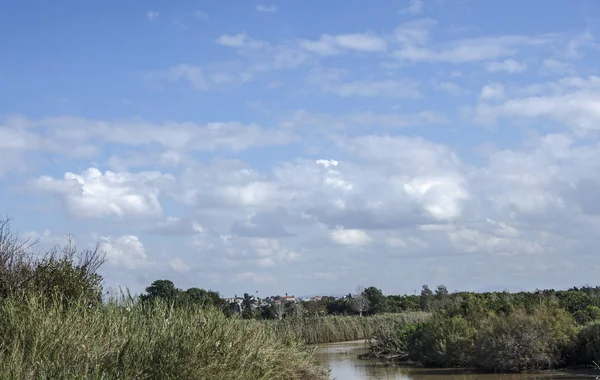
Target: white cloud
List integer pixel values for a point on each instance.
(189, 73)
(93, 194)
(554, 66)
(509, 66)
(126, 251)
(387, 88)
(240, 40)
(329, 45)
(67, 135)
(414, 7)
(572, 101)
(449, 87)
(440, 197)
(152, 15)
(179, 265)
(349, 236)
(266, 8)
(492, 91)
(414, 37)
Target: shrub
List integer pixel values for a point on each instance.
(444, 342)
(590, 314)
(393, 343)
(522, 341)
(586, 348)
(64, 272)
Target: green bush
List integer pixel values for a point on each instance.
(393, 342)
(522, 341)
(65, 272)
(590, 314)
(444, 342)
(586, 348)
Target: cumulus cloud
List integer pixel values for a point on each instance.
(93, 194)
(126, 251)
(349, 236)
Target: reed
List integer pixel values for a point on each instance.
(43, 339)
(341, 328)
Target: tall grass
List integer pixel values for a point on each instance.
(341, 328)
(43, 339)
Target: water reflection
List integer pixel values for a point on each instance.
(344, 364)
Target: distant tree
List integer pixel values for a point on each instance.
(426, 298)
(376, 300)
(297, 309)
(441, 292)
(278, 310)
(161, 289)
(197, 296)
(359, 302)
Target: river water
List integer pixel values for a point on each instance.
(343, 360)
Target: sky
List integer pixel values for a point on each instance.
(307, 147)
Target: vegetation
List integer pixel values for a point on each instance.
(499, 331)
(54, 325)
(327, 329)
(42, 339)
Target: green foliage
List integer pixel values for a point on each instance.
(394, 341)
(522, 341)
(61, 273)
(443, 342)
(341, 328)
(41, 339)
(586, 347)
(376, 300)
(591, 313)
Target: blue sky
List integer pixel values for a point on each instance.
(307, 146)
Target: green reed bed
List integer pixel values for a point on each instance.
(341, 328)
(43, 339)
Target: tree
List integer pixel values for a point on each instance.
(376, 299)
(278, 309)
(161, 289)
(426, 298)
(359, 302)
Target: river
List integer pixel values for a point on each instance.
(345, 365)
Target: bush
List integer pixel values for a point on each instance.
(586, 348)
(522, 341)
(444, 342)
(66, 273)
(393, 343)
(590, 314)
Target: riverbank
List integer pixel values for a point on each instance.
(545, 337)
(342, 358)
(328, 329)
(44, 339)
